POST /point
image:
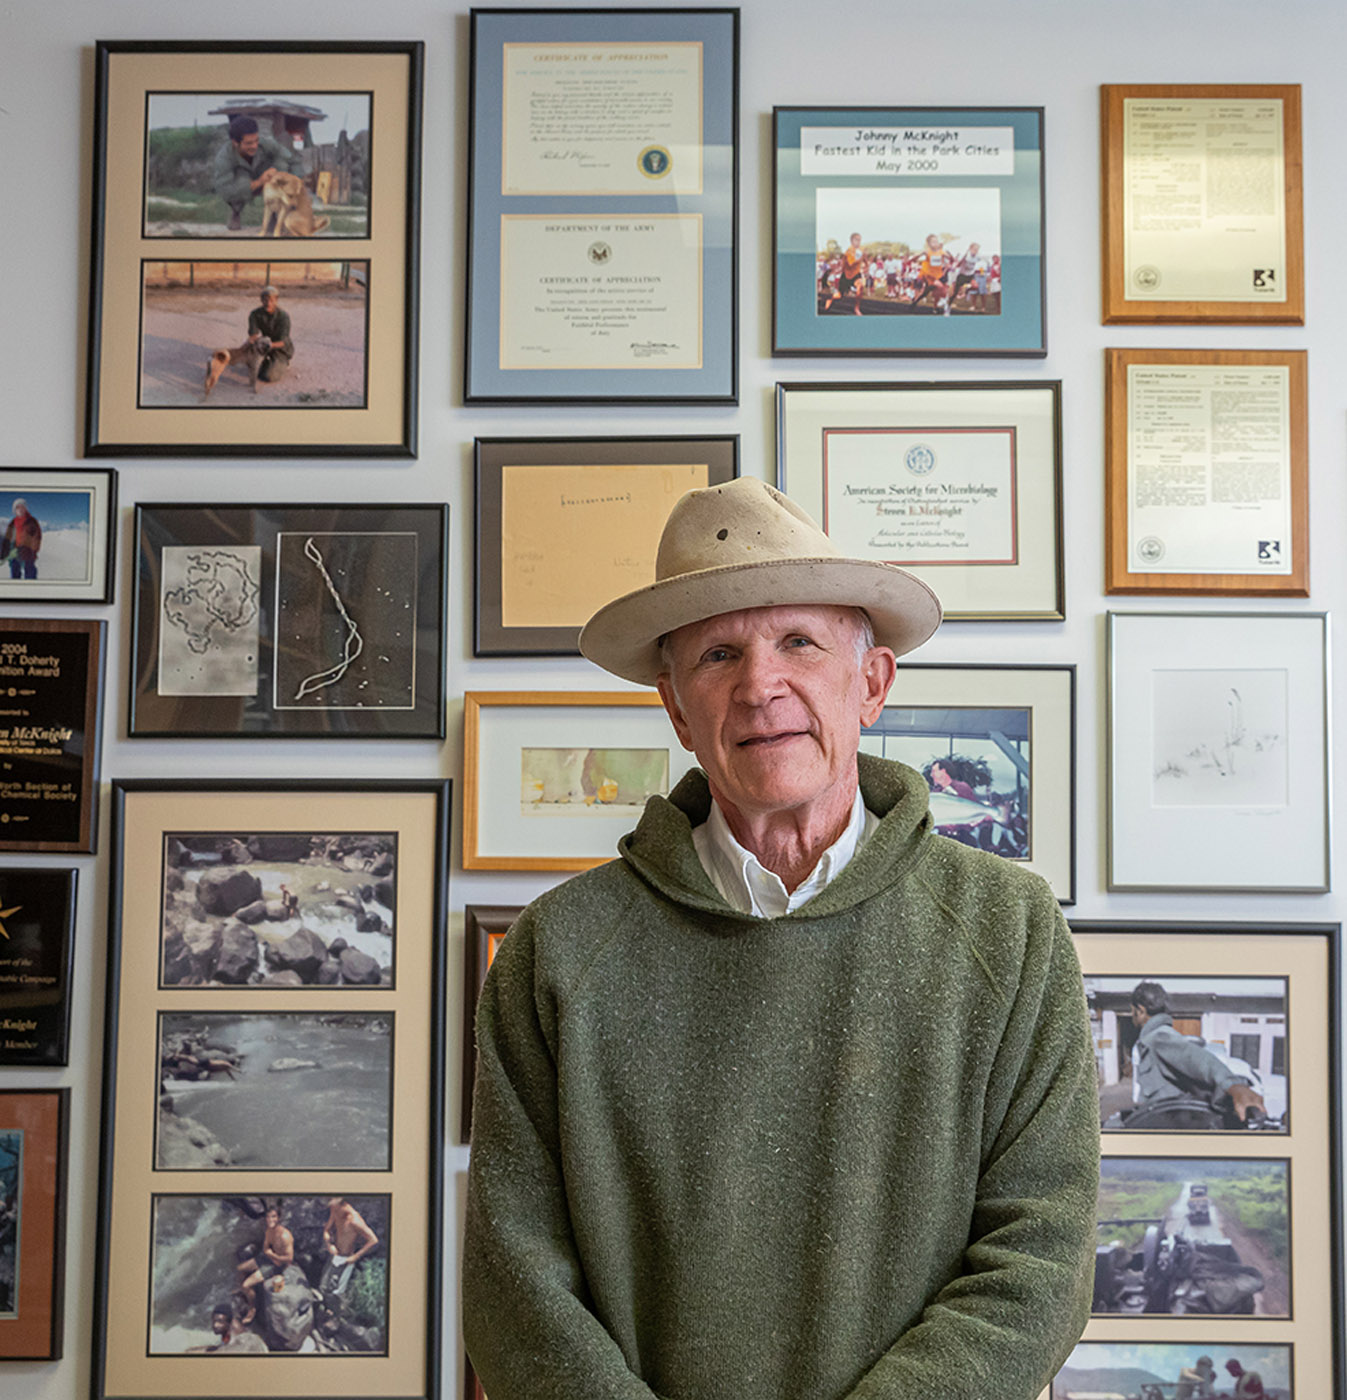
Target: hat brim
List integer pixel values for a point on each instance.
(623, 636)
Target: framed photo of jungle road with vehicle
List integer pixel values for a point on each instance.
(273, 1112)
(603, 151)
(289, 621)
(256, 237)
(908, 231)
(1218, 1252)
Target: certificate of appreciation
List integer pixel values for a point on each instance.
(1204, 203)
(602, 292)
(921, 496)
(1208, 469)
(607, 118)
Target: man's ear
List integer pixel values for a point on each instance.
(877, 674)
(664, 683)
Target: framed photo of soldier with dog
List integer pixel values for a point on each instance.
(273, 1111)
(255, 249)
(1218, 1252)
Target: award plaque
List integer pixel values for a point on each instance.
(37, 932)
(51, 700)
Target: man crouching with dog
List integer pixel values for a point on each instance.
(245, 162)
(267, 352)
(795, 1099)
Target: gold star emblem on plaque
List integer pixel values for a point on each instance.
(7, 914)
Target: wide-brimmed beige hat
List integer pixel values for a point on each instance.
(745, 545)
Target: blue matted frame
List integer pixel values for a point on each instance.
(1019, 328)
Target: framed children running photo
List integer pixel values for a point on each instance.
(908, 231)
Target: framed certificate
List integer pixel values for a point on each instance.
(255, 249)
(908, 231)
(37, 941)
(565, 525)
(603, 178)
(1218, 754)
(1202, 203)
(1207, 472)
(959, 482)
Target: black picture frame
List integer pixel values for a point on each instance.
(667, 466)
(143, 1339)
(37, 921)
(240, 670)
(484, 925)
(660, 212)
(76, 509)
(355, 296)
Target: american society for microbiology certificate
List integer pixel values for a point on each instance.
(1204, 184)
(1208, 469)
(596, 119)
(601, 292)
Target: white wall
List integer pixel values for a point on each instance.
(976, 52)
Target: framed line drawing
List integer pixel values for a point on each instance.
(908, 231)
(959, 482)
(255, 249)
(278, 1104)
(59, 540)
(1207, 472)
(33, 1141)
(1218, 752)
(996, 746)
(603, 206)
(37, 941)
(1202, 213)
(51, 745)
(565, 525)
(289, 621)
(484, 925)
(1242, 1255)
(552, 779)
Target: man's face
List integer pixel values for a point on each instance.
(248, 145)
(219, 1323)
(772, 700)
(855, 240)
(1139, 1016)
(939, 777)
(273, 1219)
(268, 304)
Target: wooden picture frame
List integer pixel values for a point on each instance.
(1009, 734)
(1240, 524)
(602, 268)
(34, 1129)
(1218, 752)
(76, 513)
(1264, 999)
(1169, 256)
(565, 525)
(357, 870)
(52, 744)
(273, 621)
(959, 482)
(867, 188)
(484, 925)
(568, 809)
(181, 261)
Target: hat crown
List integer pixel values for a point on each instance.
(742, 522)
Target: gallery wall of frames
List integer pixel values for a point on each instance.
(353, 363)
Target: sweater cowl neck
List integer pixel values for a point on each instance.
(661, 852)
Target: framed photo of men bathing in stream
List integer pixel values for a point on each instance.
(271, 1186)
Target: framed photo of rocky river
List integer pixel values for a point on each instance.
(273, 1091)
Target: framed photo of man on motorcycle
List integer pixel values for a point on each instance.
(1216, 1049)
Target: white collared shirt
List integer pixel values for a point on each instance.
(745, 884)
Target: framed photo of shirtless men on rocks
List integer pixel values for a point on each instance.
(271, 1186)
(255, 249)
(908, 231)
(289, 621)
(1217, 1050)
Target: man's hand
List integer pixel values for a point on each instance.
(1243, 1098)
(264, 177)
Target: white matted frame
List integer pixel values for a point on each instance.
(76, 509)
(1218, 755)
(504, 831)
(1021, 717)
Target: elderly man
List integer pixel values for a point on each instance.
(244, 164)
(795, 1100)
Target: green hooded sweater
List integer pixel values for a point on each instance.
(849, 1152)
